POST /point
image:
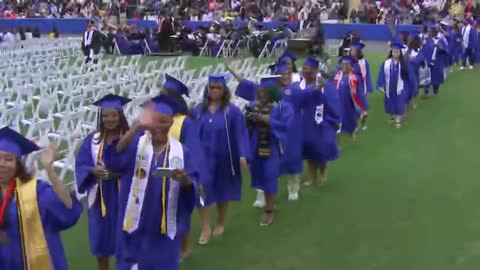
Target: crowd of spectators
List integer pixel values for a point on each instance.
(349, 11)
(352, 11)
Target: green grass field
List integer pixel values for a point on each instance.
(395, 200)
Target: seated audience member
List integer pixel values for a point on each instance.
(36, 32)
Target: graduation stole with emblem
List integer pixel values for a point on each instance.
(264, 131)
(35, 248)
(353, 85)
(176, 128)
(97, 156)
(136, 196)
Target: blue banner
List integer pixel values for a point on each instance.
(372, 32)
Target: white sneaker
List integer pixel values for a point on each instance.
(293, 189)
(462, 68)
(260, 201)
(293, 196)
(470, 67)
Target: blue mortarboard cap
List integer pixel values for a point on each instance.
(269, 81)
(15, 143)
(174, 84)
(164, 105)
(348, 59)
(218, 78)
(311, 62)
(112, 101)
(287, 57)
(247, 90)
(281, 68)
(397, 46)
(358, 45)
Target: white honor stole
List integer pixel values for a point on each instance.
(95, 148)
(296, 77)
(387, 68)
(87, 36)
(140, 180)
(363, 70)
(466, 35)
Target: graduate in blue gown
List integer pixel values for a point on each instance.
(455, 44)
(352, 96)
(392, 81)
(292, 159)
(185, 130)
(415, 59)
(289, 60)
(94, 179)
(362, 69)
(469, 40)
(436, 55)
(321, 122)
(224, 138)
(33, 212)
(152, 202)
(310, 74)
(269, 119)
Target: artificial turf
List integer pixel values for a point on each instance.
(396, 199)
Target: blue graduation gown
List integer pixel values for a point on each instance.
(321, 122)
(55, 217)
(190, 137)
(455, 46)
(101, 230)
(438, 64)
(394, 104)
(292, 159)
(352, 100)
(147, 246)
(414, 63)
(265, 171)
(222, 181)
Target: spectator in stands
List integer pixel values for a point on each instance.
(457, 9)
(372, 11)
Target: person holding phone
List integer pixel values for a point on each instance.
(151, 205)
(185, 130)
(100, 184)
(269, 120)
